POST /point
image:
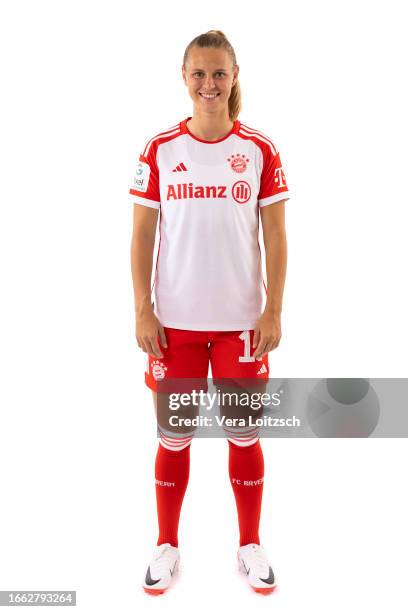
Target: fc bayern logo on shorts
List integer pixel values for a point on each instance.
(241, 192)
(158, 370)
(238, 162)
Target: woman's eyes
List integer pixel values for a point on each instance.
(221, 73)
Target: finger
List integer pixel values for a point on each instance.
(255, 338)
(155, 344)
(162, 336)
(147, 346)
(266, 350)
(153, 347)
(260, 348)
(140, 344)
(275, 343)
(264, 347)
(137, 339)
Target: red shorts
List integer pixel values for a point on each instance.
(189, 352)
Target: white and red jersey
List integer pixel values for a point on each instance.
(208, 269)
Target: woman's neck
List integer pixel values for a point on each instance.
(209, 127)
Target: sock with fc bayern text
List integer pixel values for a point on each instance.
(246, 472)
(172, 468)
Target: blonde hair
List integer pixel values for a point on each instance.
(217, 39)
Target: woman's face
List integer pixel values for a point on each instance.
(209, 71)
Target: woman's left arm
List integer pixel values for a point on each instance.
(267, 333)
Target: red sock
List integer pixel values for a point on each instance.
(246, 471)
(172, 470)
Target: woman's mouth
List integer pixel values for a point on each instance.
(209, 96)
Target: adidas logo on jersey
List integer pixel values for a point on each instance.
(186, 191)
(180, 168)
(262, 369)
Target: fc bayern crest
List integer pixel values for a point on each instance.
(238, 162)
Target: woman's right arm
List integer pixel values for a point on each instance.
(148, 327)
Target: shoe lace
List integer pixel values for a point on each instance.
(163, 558)
(261, 561)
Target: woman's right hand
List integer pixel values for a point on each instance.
(148, 331)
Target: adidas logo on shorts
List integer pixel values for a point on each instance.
(262, 369)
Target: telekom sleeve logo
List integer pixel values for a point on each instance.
(280, 179)
(241, 192)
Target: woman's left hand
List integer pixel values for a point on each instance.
(267, 334)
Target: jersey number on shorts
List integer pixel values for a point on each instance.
(246, 357)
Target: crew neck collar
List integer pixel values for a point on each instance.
(184, 130)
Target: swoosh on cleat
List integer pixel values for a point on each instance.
(174, 567)
(270, 579)
(149, 579)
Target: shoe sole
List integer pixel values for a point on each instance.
(266, 591)
(154, 591)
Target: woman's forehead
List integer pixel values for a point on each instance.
(208, 57)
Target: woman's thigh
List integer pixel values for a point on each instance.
(174, 416)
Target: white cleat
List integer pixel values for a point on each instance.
(254, 563)
(161, 569)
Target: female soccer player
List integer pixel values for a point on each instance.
(209, 177)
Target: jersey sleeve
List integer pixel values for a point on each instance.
(145, 189)
(273, 181)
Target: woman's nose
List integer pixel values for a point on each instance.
(209, 83)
